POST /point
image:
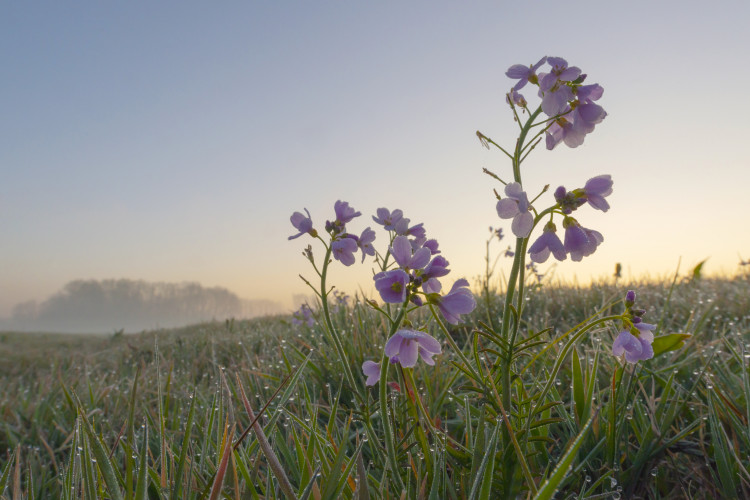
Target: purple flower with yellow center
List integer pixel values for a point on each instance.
(409, 345)
(635, 347)
(365, 243)
(404, 255)
(343, 250)
(596, 189)
(516, 207)
(547, 243)
(302, 224)
(458, 301)
(388, 219)
(392, 285)
(372, 370)
(344, 213)
(524, 74)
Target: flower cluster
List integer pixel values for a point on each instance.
(568, 103)
(636, 337)
(578, 241)
(419, 267)
(343, 244)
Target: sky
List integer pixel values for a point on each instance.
(171, 141)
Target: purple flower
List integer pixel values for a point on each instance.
(404, 255)
(302, 224)
(392, 285)
(546, 243)
(372, 370)
(515, 98)
(596, 189)
(433, 246)
(456, 302)
(408, 345)
(344, 213)
(343, 250)
(418, 231)
(524, 74)
(580, 242)
(365, 243)
(636, 348)
(630, 298)
(387, 218)
(303, 316)
(516, 206)
(437, 268)
(432, 285)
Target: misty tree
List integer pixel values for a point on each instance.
(107, 305)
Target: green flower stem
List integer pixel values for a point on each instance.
(421, 436)
(389, 436)
(332, 332)
(453, 344)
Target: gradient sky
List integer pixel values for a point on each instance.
(171, 141)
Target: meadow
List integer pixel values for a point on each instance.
(517, 388)
(163, 414)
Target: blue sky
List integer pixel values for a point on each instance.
(171, 141)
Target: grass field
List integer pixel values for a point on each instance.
(163, 414)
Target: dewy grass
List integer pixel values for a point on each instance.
(536, 389)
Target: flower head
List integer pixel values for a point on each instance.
(547, 243)
(372, 370)
(408, 345)
(458, 301)
(524, 74)
(343, 250)
(636, 348)
(636, 339)
(388, 219)
(516, 207)
(302, 224)
(596, 189)
(405, 256)
(392, 285)
(344, 213)
(365, 243)
(580, 242)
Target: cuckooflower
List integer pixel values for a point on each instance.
(524, 74)
(344, 213)
(580, 242)
(365, 243)
(437, 268)
(343, 250)
(409, 345)
(388, 219)
(548, 242)
(596, 189)
(636, 348)
(405, 257)
(458, 301)
(392, 285)
(516, 207)
(372, 370)
(302, 224)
